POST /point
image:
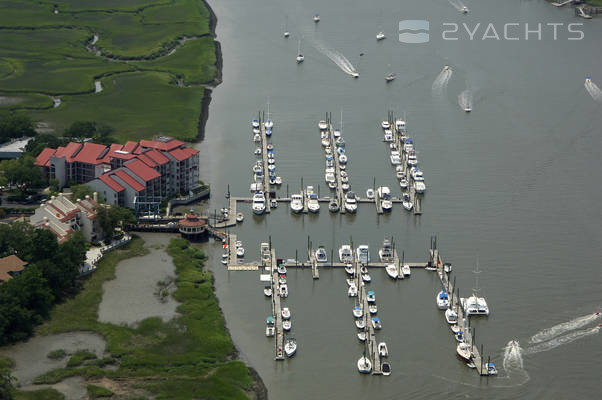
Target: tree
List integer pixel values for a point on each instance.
(43, 140)
(99, 132)
(14, 126)
(23, 172)
(6, 384)
(81, 191)
(110, 218)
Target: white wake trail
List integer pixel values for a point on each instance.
(458, 5)
(513, 356)
(339, 59)
(564, 327)
(560, 340)
(593, 90)
(465, 99)
(440, 83)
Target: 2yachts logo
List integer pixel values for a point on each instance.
(417, 31)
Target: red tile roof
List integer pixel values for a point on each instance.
(130, 146)
(110, 182)
(148, 161)
(142, 170)
(183, 154)
(124, 176)
(43, 159)
(90, 153)
(157, 156)
(165, 146)
(10, 264)
(68, 150)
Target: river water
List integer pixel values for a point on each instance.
(514, 184)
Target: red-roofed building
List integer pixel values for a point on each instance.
(43, 160)
(163, 143)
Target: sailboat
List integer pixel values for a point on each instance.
(269, 124)
(364, 365)
(286, 32)
(300, 57)
(390, 76)
(475, 305)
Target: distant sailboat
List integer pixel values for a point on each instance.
(286, 32)
(300, 57)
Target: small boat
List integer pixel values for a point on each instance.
(350, 202)
(363, 253)
(355, 74)
(388, 136)
(270, 328)
(467, 109)
(364, 365)
(342, 158)
(361, 336)
(385, 253)
(390, 77)
(371, 296)
(352, 291)
(403, 183)
(392, 271)
(267, 291)
(405, 269)
(282, 279)
(360, 324)
(442, 300)
(385, 368)
(383, 351)
(255, 123)
(282, 269)
(380, 36)
(269, 124)
(385, 125)
(376, 324)
(345, 187)
(464, 352)
(278, 180)
(290, 348)
(460, 336)
(333, 206)
(240, 252)
(406, 202)
(300, 58)
(313, 205)
(296, 203)
(345, 254)
(366, 278)
(464, 10)
(286, 313)
(257, 137)
(350, 281)
(274, 203)
(320, 255)
(372, 308)
(451, 316)
(258, 204)
(325, 143)
(271, 167)
(225, 260)
(357, 311)
(395, 157)
(349, 269)
(344, 179)
(323, 125)
(340, 142)
(363, 269)
(287, 325)
(283, 291)
(454, 328)
(240, 217)
(316, 18)
(257, 151)
(447, 268)
(370, 194)
(491, 369)
(268, 132)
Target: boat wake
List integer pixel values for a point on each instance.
(560, 340)
(465, 100)
(513, 356)
(564, 327)
(440, 83)
(336, 57)
(458, 5)
(593, 90)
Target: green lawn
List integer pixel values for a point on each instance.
(185, 358)
(43, 52)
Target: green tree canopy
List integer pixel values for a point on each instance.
(111, 217)
(14, 126)
(22, 172)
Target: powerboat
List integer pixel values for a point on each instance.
(296, 203)
(340, 142)
(388, 136)
(342, 158)
(350, 281)
(361, 336)
(267, 291)
(383, 351)
(464, 352)
(405, 270)
(380, 36)
(281, 269)
(390, 77)
(372, 308)
(360, 324)
(464, 10)
(364, 365)
(385, 125)
(286, 313)
(366, 278)
(257, 151)
(491, 369)
(451, 316)
(460, 336)
(320, 255)
(403, 183)
(467, 109)
(400, 125)
(345, 187)
(392, 271)
(255, 123)
(283, 291)
(370, 194)
(371, 296)
(363, 254)
(355, 74)
(417, 174)
(443, 300)
(290, 348)
(357, 312)
(268, 132)
(316, 18)
(240, 217)
(240, 251)
(346, 254)
(420, 187)
(475, 305)
(258, 204)
(269, 124)
(270, 328)
(282, 279)
(325, 142)
(333, 206)
(350, 202)
(406, 202)
(323, 125)
(412, 159)
(447, 268)
(384, 193)
(278, 180)
(385, 368)
(352, 291)
(454, 328)
(287, 325)
(270, 147)
(395, 157)
(336, 133)
(312, 203)
(376, 324)
(349, 269)
(408, 144)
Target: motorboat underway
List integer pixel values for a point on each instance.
(376, 324)
(392, 271)
(346, 254)
(286, 313)
(451, 316)
(364, 365)
(380, 36)
(333, 206)
(267, 291)
(258, 204)
(442, 300)
(406, 202)
(357, 311)
(385, 368)
(290, 348)
(366, 278)
(355, 74)
(383, 351)
(405, 270)
(390, 77)
(371, 296)
(323, 125)
(296, 203)
(385, 125)
(349, 269)
(350, 202)
(395, 157)
(283, 291)
(352, 291)
(361, 336)
(287, 325)
(316, 18)
(384, 193)
(360, 324)
(370, 194)
(363, 254)
(464, 10)
(464, 352)
(270, 328)
(312, 203)
(320, 255)
(300, 58)
(372, 308)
